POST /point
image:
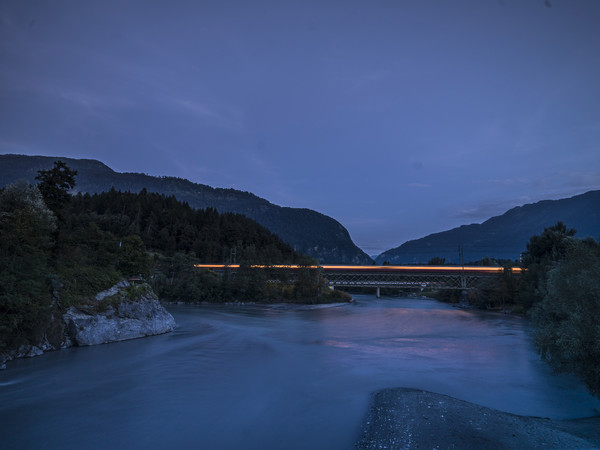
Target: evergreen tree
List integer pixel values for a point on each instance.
(133, 259)
(26, 227)
(55, 185)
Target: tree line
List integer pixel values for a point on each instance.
(559, 289)
(59, 250)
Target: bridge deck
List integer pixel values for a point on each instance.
(431, 277)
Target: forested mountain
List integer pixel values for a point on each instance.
(169, 226)
(505, 236)
(307, 231)
(59, 250)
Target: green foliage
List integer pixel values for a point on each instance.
(305, 230)
(304, 284)
(248, 284)
(551, 245)
(79, 282)
(26, 227)
(309, 283)
(133, 258)
(542, 253)
(437, 261)
(168, 226)
(86, 262)
(103, 238)
(180, 237)
(452, 296)
(336, 294)
(488, 262)
(510, 285)
(567, 331)
(55, 184)
(176, 279)
(497, 292)
(131, 293)
(561, 286)
(137, 290)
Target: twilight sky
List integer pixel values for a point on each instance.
(398, 118)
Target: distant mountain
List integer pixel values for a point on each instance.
(505, 236)
(308, 231)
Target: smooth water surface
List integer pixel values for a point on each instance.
(258, 377)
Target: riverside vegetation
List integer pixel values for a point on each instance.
(58, 250)
(560, 291)
(307, 231)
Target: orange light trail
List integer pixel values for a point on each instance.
(486, 269)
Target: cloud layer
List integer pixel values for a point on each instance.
(399, 119)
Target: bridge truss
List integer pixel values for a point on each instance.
(403, 280)
(398, 277)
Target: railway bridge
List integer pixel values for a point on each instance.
(401, 277)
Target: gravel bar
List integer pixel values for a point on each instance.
(402, 418)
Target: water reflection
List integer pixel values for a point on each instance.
(283, 377)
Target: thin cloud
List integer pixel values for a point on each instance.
(369, 78)
(222, 117)
(483, 212)
(554, 186)
(93, 102)
(509, 181)
(10, 146)
(365, 221)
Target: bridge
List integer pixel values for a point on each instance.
(399, 277)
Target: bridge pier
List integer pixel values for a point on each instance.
(378, 294)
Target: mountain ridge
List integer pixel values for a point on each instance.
(308, 231)
(504, 236)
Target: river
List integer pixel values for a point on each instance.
(255, 377)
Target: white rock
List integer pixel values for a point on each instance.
(112, 291)
(134, 319)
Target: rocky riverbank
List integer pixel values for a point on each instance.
(403, 418)
(121, 317)
(120, 313)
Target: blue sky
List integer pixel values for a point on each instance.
(397, 118)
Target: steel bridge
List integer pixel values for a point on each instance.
(396, 277)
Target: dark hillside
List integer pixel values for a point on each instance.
(307, 231)
(505, 236)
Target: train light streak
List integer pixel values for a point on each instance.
(327, 268)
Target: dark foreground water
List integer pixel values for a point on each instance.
(251, 377)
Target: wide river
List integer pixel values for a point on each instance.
(254, 377)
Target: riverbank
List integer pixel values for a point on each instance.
(123, 312)
(409, 418)
(280, 306)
